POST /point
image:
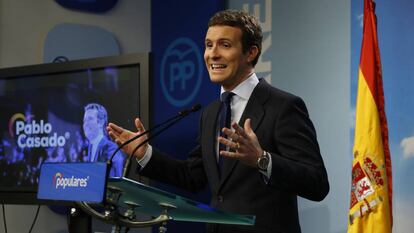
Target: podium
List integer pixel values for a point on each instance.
(126, 198)
(123, 199)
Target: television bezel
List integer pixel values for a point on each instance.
(142, 59)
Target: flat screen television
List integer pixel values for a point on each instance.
(42, 114)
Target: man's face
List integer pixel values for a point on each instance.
(224, 58)
(91, 126)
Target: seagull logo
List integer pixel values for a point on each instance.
(13, 119)
(57, 176)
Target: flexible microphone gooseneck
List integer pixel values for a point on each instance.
(169, 122)
(181, 115)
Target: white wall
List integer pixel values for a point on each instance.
(24, 25)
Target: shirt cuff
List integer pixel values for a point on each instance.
(146, 158)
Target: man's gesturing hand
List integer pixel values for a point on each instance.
(120, 135)
(243, 143)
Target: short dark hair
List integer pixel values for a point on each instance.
(249, 25)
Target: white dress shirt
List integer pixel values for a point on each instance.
(238, 103)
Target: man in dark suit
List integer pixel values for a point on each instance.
(100, 148)
(256, 166)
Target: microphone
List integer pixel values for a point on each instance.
(169, 122)
(195, 108)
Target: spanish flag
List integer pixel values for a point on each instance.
(371, 190)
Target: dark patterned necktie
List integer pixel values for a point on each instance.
(225, 118)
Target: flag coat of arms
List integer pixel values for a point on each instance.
(371, 189)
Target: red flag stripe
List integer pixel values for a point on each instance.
(370, 65)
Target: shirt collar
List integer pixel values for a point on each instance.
(96, 140)
(245, 89)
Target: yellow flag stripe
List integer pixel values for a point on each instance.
(372, 214)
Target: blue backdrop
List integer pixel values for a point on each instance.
(180, 79)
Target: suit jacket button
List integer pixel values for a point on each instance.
(220, 198)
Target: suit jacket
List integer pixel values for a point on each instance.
(104, 151)
(282, 125)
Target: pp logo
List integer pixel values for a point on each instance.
(181, 71)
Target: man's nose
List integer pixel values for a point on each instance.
(214, 52)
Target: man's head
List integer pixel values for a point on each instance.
(94, 120)
(233, 46)
(248, 24)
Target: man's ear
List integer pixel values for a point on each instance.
(252, 53)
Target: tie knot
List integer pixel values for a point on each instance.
(226, 97)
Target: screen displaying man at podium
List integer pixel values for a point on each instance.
(100, 148)
(259, 163)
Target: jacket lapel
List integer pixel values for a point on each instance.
(211, 127)
(255, 111)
